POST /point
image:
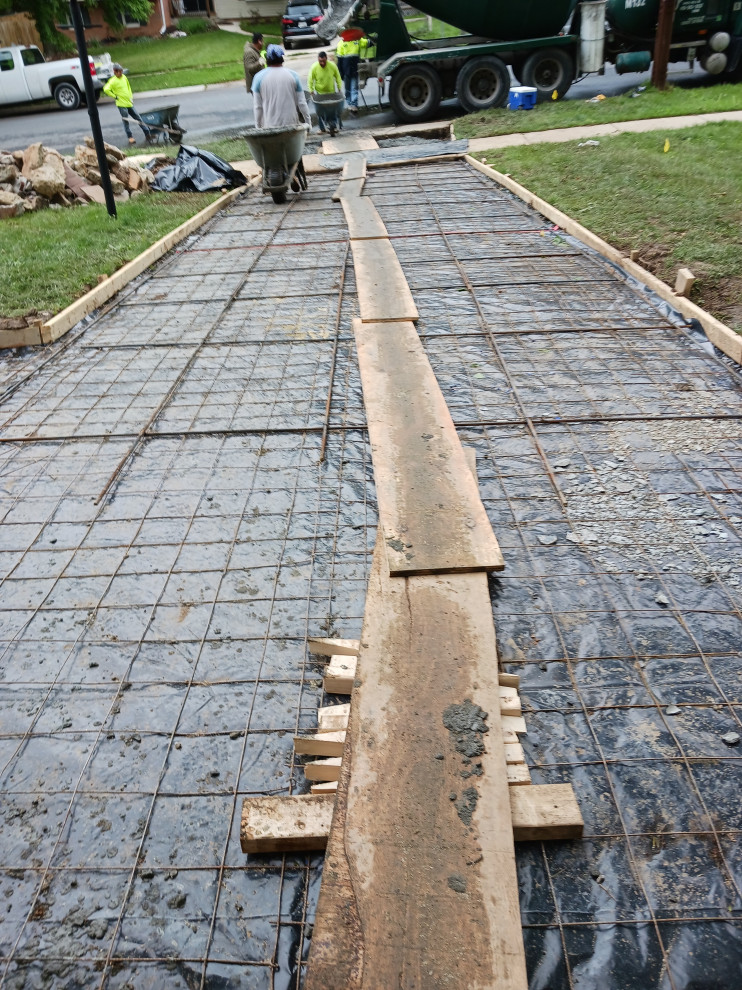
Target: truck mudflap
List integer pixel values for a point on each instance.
(498, 48)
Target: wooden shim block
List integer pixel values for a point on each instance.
(432, 518)
(509, 701)
(332, 718)
(334, 647)
(362, 217)
(508, 680)
(285, 824)
(398, 898)
(27, 337)
(509, 737)
(348, 189)
(545, 811)
(514, 723)
(323, 744)
(518, 774)
(348, 143)
(514, 753)
(325, 787)
(323, 769)
(340, 675)
(383, 292)
(354, 168)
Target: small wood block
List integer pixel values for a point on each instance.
(334, 647)
(323, 769)
(326, 787)
(348, 189)
(509, 737)
(509, 701)
(348, 143)
(333, 718)
(508, 680)
(362, 217)
(514, 754)
(340, 674)
(324, 744)
(286, 824)
(383, 292)
(684, 282)
(518, 774)
(514, 723)
(354, 168)
(545, 811)
(634, 256)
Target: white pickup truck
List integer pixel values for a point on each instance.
(25, 76)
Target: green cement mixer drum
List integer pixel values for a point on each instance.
(638, 18)
(506, 20)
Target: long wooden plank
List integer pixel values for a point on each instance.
(431, 515)
(348, 143)
(423, 889)
(348, 189)
(383, 292)
(363, 219)
(354, 167)
(285, 824)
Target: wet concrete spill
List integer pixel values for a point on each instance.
(153, 662)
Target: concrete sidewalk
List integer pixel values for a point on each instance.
(592, 131)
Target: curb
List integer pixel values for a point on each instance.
(718, 333)
(57, 326)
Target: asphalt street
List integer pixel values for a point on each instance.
(227, 107)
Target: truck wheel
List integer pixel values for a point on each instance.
(415, 92)
(67, 96)
(548, 70)
(482, 83)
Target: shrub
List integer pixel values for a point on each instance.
(196, 25)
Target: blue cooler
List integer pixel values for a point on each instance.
(522, 98)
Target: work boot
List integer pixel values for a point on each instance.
(295, 185)
(132, 140)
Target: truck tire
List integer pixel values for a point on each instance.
(548, 70)
(67, 96)
(415, 92)
(483, 83)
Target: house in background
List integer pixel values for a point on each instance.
(96, 27)
(233, 10)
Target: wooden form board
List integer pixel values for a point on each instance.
(383, 292)
(348, 143)
(410, 875)
(362, 217)
(430, 512)
(348, 189)
(279, 824)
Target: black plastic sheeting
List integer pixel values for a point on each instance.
(153, 660)
(196, 170)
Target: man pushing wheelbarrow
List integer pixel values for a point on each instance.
(326, 89)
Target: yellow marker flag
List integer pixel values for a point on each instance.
(555, 95)
(667, 144)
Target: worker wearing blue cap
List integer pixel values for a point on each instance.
(278, 95)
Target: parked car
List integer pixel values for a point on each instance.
(26, 76)
(298, 22)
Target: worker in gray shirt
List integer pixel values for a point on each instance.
(278, 95)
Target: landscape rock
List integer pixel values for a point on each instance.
(110, 149)
(8, 169)
(48, 178)
(731, 738)
(33, 157)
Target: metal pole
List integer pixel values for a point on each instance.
(82, 50)
(662, 44)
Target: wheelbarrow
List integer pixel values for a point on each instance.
(163, 125)
(277, 150)
(329, 107)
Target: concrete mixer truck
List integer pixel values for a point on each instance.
(547, 44)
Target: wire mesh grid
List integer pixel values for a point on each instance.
(154, 665)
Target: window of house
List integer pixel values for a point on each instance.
(128, 21)
(67, 22)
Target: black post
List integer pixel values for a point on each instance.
(82, 50)
(662, 41)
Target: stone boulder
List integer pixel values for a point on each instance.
(8, 169)
(10, 205)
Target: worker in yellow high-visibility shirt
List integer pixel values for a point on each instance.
(119, 87)
(324, 78)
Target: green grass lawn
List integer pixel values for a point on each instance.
(680, 208)
(163, 63)
(49, 259)
(673, 102)
(229, 149)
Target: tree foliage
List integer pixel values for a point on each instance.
(49, 13)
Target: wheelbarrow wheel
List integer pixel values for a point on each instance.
(177, 136)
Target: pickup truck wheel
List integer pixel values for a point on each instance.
(549, 70)
(415, 92)
(483, 83)
(67, 96)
